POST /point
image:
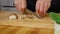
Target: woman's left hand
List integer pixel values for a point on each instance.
(42, 6)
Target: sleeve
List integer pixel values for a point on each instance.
(55, 6)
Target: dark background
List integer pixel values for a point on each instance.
(55, 5)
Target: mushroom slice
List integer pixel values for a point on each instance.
(13, 16)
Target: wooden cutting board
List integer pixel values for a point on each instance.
(44, 22)
(44, 25)
(22, 30)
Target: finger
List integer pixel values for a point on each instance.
(41, 10)
(48, 3)
(18, 7)
(37, 7)
(41, 6)
(45, 7)
(23, 5)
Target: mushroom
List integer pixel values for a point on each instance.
(22, 17)
(13, 16)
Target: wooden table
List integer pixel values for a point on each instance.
(44, 25)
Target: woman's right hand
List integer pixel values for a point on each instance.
(20, 5)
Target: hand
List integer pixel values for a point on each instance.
(20, 5)
(42, 6)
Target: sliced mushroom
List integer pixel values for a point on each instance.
(13, 16)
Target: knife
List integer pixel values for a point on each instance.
(55, 17)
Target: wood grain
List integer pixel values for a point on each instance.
(24, 30)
